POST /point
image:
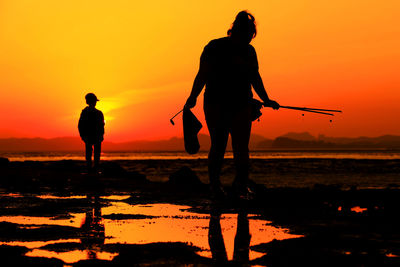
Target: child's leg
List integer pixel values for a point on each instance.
(89, 151)
(97, 152)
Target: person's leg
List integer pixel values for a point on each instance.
(97, 152)
(240, 133)
(219, 137)
(89, 150)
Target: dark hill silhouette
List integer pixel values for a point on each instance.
(75, 144)
(257, 142)
(305, 136)
(384, 139)
(41, 144)
(307, 141)
(288, 143)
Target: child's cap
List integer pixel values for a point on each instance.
(91, 97)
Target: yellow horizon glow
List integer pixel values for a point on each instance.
(140, 59)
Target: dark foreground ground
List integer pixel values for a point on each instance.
(335, 234)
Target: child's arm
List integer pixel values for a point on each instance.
(81, 126)
(102, 124)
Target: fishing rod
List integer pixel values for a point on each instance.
(307, 110)
(319, 109)
(313, 110)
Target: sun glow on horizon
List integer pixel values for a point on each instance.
(140, 59)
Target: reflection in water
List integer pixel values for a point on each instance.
(92, 240)
(70, 257)
(175, 223)
(219, 236)
(358, 209)
(242, 239)
(93, 229)
(57, 197)
(75, 221)
(215, 239)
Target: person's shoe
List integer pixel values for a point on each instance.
(217, 192)
(243, 192)
(247, 194)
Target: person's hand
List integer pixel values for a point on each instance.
(190, 102)
(271, 103)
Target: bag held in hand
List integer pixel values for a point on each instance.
(191, 127)
(256, 107)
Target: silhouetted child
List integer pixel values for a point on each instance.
(91, 130)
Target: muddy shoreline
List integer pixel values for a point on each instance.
(352, 220)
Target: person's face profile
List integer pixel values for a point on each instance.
(91, 103)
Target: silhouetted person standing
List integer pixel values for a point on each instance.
(91, 130)
(228, 69)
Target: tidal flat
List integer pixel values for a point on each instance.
(314, 212)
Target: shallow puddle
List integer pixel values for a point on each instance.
(355, 209)
(123, 223)
(358, 209)
(57, 197)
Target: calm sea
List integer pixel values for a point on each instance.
(52, 156)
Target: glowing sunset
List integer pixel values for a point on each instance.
(199, 133)
(140, 58)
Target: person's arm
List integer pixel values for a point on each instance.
(258, 86)
(199, 81)
(198, 85)
(102, 123)
(82, 126)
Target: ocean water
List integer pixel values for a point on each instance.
(320, 154)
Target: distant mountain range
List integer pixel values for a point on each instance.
(308, 141)
(303, 141)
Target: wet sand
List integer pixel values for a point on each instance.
(306, 212)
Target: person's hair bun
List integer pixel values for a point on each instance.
(243, 25)
(243, 16)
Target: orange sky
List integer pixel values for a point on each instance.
(140, 59)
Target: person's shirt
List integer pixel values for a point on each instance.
(91, 125)
(229, 68)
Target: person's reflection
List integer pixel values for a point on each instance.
(215, 239)
(93, 234)
(242, 239)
